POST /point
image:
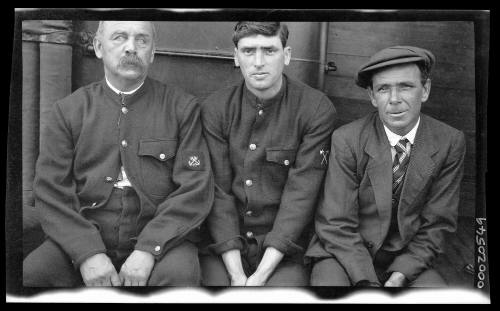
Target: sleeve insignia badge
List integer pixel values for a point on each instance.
(324, 154)
(194, 161)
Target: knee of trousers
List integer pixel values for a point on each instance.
(33, 276)
(37, 272)
(176, 270)
(329, 272)
(175, 274)
(213, 271)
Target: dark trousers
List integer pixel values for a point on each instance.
(50, 266)
(329, 272)
(289, 272)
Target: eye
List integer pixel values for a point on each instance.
(247, 52)
(119, 37)
(405, 87)
(383, 89)
(270, 51)
(142, 41)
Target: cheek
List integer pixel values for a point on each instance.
(380, 101)
(278, 64)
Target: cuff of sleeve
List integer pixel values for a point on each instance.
(84, 247)
(285, 246)
(359, 269)
(78, 261)
(408, 265)
(158, 237)
(237, 242)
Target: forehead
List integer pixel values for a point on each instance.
(260, 41)
(128, 26)
(404, 72)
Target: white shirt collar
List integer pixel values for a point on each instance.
(394, 138)
(117, 91)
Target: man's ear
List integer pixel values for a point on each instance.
(152, 55)
(288, 54)
(426, 91)
(236, 62)
(97, 47)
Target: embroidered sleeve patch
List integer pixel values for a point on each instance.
(324, 157)
(321, 157)
(193, 160)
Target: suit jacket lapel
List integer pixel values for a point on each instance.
(419, 168)
(379, 170)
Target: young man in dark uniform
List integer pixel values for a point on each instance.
(269, 138)
(393, 183)
(123, 181)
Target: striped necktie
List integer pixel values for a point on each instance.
(400, 163)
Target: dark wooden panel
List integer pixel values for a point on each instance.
(349, 109)
(192, 35)
(452, 39)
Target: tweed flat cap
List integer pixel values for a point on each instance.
(393, 55)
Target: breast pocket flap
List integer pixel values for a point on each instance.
(160, 149)
(284, 157)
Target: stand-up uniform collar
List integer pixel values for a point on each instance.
(264, 103)
(130, 96)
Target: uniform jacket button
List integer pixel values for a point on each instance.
(124, 143)
(249, 213)
(249, 234)
(157, 248)
(253, 146)
(286, 162)
(162, 156)
(248, 182)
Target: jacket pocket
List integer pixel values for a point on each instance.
(157, 161)
(275, 170)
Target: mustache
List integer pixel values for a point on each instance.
(131, 60)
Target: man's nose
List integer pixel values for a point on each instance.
(394, 95)
(130, 46)
(259, 59)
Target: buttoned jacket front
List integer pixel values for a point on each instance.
(155, 134)
(269, 159)
(354, 212)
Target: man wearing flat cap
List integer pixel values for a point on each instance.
(393, 183)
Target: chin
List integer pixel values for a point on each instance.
(132, 75)
(259, 86)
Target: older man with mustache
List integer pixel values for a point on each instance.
(124, 180)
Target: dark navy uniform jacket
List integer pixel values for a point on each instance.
(157, 138)
(269, 159)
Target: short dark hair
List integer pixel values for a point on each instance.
(246, 29)
(425, 73)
